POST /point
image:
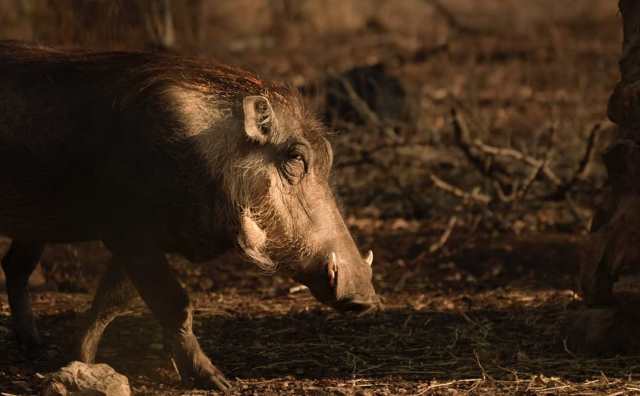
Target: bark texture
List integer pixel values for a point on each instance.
(614, 248)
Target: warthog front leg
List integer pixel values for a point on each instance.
(113, 298)
(18, 264)
(169, 303)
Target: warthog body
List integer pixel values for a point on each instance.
(153, 154)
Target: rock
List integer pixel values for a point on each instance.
(80, 379)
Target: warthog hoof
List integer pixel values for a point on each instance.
(211, 377)
(194, 367)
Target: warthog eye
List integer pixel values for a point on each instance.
(294, 166)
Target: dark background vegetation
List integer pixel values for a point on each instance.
(468, 136)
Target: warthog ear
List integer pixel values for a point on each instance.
(259, 118)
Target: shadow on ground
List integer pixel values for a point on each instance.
(486, 314)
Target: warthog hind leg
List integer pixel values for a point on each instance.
(18, 264)
(113, 298)
(151, 275)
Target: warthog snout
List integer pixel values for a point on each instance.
(352, 284)
(344, 283)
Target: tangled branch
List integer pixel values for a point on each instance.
(482, 155)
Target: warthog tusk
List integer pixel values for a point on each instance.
(332, 268)
(369, 258)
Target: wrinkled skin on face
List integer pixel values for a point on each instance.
(289, 217)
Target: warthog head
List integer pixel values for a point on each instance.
(278, 186)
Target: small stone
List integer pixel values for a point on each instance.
(78, 378)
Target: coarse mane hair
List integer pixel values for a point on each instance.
(145, 70)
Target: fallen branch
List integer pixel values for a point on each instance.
(474, 196)
(535, 174)
(481, 155)
(522, 192)
(519, 156)
(488, 169)
(444, 237)
(452, 20)
(359, 104)
(583, 167)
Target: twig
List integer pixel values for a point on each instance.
(474, 196)
(487, 169)
(519, 156)
(444, 237)
(360, 105)
(482, 370)
(452, 20)
(175, 368)
(461, 133)
(423, 54)
(502, 196)
(446, 384)
(402, 281)
(583, 167)
(522, 193)
(566, 348)
(501, 179)
(588, 153)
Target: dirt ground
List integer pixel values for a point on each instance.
(486, 317)
(482, 309)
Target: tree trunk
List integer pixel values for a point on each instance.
(614, 248)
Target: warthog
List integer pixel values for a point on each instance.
(153, 154)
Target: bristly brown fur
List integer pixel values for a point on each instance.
(145, 70)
